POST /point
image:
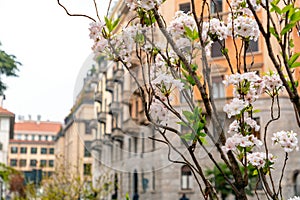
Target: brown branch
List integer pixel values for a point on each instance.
(75, 15)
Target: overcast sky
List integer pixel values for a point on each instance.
(52, 48)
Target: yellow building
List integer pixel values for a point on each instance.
(33, 146)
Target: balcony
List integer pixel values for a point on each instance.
(101, 116)
(98, 96)
(96, 145)
(93, 124)
(109, 85)
(130, 127)
(118, 75)
(114, 108)
(117, 134)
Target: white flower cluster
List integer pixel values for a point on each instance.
(100, 43)
(287, 140)
(158, 111)
(145, 4)
(243, 26)
(218, 28)
(167, 81)
(238, 140)
(258, 159)
(235, 126)
(181, 20)
(294, 198)
(234, 107)
(272, 83)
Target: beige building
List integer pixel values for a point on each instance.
(32, 147)
(139, 166)
(74, 142)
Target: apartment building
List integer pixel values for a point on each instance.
(32, 147)
(138, 165)
(73, 144)
(7, 120)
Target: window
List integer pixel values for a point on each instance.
(23, 163)
(19, 137)
(23, 150)
(216, 48)
(13, 162)
(218, 89)
(253, 46)
(185, 7)
(87, 169)
(51, 151)
(87, 148)
(33, 163)
(32, 137)
(135, 145)
(296, 180)
(153, 179)
(33, 150)
(43, 163)
(26, 137)
(216, 6)
(46, 137)
(40, 137)
(88, 130)
(43, 150)
(186, 178)
(14, 149)
(129, 147)
(51, 163)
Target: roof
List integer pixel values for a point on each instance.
(6, 112)
(38, 126)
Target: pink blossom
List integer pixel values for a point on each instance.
(234, 107)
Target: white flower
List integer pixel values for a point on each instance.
(96, 30)
(287, 140)
(235, 107)
(294, 198)
(258, 159)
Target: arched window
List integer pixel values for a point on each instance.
(186, 177)
(296, 180)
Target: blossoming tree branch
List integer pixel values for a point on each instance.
(174, 60)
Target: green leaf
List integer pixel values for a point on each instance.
(115, 23)
(287, 8)
(273, 32)
(294, 65)
(188, 115)
(293, 58)
(255, 172)
(275, 8)
(295, 17)
(287, 28)
(188, 137)
(182, 123)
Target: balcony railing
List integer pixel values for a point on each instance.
(114, 108)
(101, 117)
(98, 96)
(96, 145)
(117, 134)
(130, 127)
(109, 85)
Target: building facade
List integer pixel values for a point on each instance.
(73, 144)
(32, 147)
(124, 145)
(7, 120)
